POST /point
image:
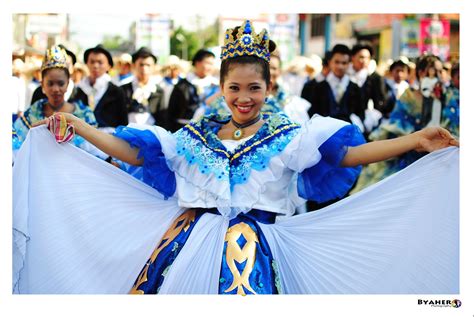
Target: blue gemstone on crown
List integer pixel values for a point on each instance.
(247, 39)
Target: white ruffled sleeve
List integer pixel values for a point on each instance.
(316, 154)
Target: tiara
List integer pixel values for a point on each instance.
(246, 42)
(55, 57)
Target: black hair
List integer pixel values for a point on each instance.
(363, 45)
(340, 49)
(398, 63)
(68, 52)
(326, 58)
(202, 54)
(425, 61)
(45, 71)
(455, 70)
(262, 65)
(143, 52)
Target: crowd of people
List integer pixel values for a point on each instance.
(234, 151)
(345, 84)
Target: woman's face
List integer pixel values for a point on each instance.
(244, 90)
(431, 71)
(54, 85)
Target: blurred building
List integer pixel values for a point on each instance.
(391, 35)
(33, 33)
(305, 34)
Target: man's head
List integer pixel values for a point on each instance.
(203, 62)
(143, 63)
(339, 60)
(399, 71)
(361, 54)
(98, 61)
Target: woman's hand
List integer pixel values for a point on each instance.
(434, 138)
(60, 125)
(70, 118)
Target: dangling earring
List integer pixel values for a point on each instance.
(266, 99)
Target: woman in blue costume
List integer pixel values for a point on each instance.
(55, 78)
(216, 215)
(450, 116)
(415, 110)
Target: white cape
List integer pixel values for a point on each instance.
(81, 225)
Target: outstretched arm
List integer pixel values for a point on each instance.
(426, 140)
(105, 142)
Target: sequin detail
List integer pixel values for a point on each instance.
(199, 144)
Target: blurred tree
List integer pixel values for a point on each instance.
(182, 40)
(116, 44)
(183, 43)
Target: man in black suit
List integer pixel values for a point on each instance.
(190, 92)
(370, 82)
(143, 95)
(336, 96)
(73, 93)
(106, 99)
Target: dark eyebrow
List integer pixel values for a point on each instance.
(250, 84)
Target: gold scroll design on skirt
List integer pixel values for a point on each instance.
(181, 223)
(235, 253)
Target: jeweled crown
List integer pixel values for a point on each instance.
(246, 42)
(55, 57)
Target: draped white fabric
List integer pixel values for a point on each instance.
(398, 236)
(81, 225)
(196, 269)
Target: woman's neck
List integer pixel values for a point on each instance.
(49, 108)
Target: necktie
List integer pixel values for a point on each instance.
(91, 98)
(339, 91)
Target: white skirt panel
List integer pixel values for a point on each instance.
(80, 225)
(399, 236)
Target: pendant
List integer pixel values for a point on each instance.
(238, 134)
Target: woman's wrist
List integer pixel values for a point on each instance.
(416, 140)
(78, 124)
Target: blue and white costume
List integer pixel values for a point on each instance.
(214, 220)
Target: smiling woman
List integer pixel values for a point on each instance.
(216, 215)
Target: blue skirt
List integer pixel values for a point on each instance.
(247, 262)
